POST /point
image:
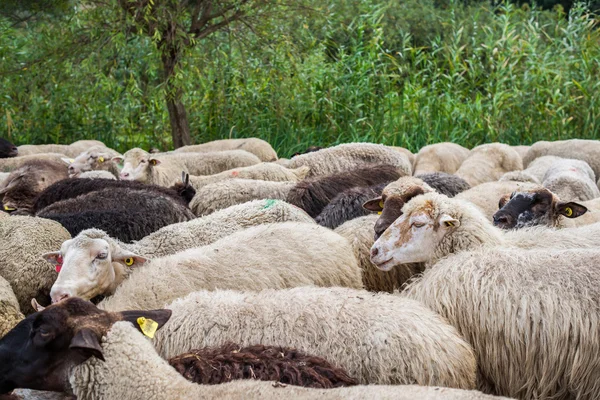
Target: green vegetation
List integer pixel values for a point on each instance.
(401, 73)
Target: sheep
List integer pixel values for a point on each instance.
(579, 149)
(96, 158)
(386, 339)
(444, 183)
(309, 149)
(539, 206)
(572, 180)
(9, 164)
(10, 312)
(25, 183)
(3, 176)
(230, 192)
(71, 150)
(72, 188)
(263, 171)
(312, 195)
(460, 226)
(531, 316)
(488, 162)
(124, 214)
(198, 232)
(7, 149)
(95, 354)
(440, 157)
(521, 150)
(267, 363)
(409, 154)
(97, 175)
(359, 233)
(284, 162)
(23, 240)
(346, 157)
(347, 206)
(487, 195)
(164, 169)
(264, 256)
(258, 147)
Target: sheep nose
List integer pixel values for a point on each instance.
(58, 297)
(14, 148)
(124, 175)
(374, 251)
(71, 169)
(501, 219)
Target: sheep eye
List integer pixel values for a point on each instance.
(418, 224)
(143, 161)
(44, 332)
(129, 261)
(102, 256)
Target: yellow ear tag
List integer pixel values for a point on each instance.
(7, 208)
(448, 223)
(568, 211)
(147, 326)
(153, 162)
(71, 160)
(378, 212)
(129, 261)
(380, 203)
(100, 159)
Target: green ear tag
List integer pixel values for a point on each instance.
(147, 326)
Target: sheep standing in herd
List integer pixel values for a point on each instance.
(400, 275)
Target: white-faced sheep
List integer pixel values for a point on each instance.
(531, 317)
(230, 192)
(345, 157)
(585, 150)
(487, 195)
(488, 162)
(97, 158)
(359, 233)
(23, 240)
(69, 150)
(202, 231)
(164, 169)
(571, 180)
(258, 147)
(385, 341)
(119, 354)
(10, 312)
(263, 171)
(440, 157)
(265, 256)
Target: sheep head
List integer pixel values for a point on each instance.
(137, 166)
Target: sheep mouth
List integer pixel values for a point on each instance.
(386, 265)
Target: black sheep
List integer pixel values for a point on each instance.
(7, 149)
(71, 188)
(212, 366)
(312, 195)
(446, 184)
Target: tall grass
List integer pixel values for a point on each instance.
(514, 75)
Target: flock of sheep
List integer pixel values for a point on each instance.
(361, 270)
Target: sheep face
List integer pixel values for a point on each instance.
(137, 166)
(410, 238)
(88, 267)
(90, 160)
(7, 149)
(42, 349)
(534, 207)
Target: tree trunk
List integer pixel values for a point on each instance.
(180, 128)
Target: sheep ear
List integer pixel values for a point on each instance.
(118, 159)
(52, 257)
(154, 162)
(503, 200)
(375, 204)
(67, 161)
(570, 209)
(147, 322)
(128, 258)
(36, 306)
(87, 343)
(446, 221)
(12, 183)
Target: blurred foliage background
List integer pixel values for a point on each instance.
(404, 73)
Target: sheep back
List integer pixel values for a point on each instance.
(10, 312)
(579, 149)
(348, 205)
(258, 147)
(488, 162)
(440, 157)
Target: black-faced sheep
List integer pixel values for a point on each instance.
(7, 149)
(312, 195)
(25, 183)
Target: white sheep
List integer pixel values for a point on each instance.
(263, 171)
(70, 150)
(579, 149)
(227, 193)
(164, 169)
(531, 316)
(10, 312)
(377, 338)
(440, 157)
(258, 147)
(571, 180)
(99, 174)
(12, 163)
(488, 162)
(23, 241)
(346, 157)
(96, 158)
(535, 171)
(521, 150)
(131, 359)
(264, 256)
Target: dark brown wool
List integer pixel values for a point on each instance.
(447, 184)
(211, 366)
(312, 195)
